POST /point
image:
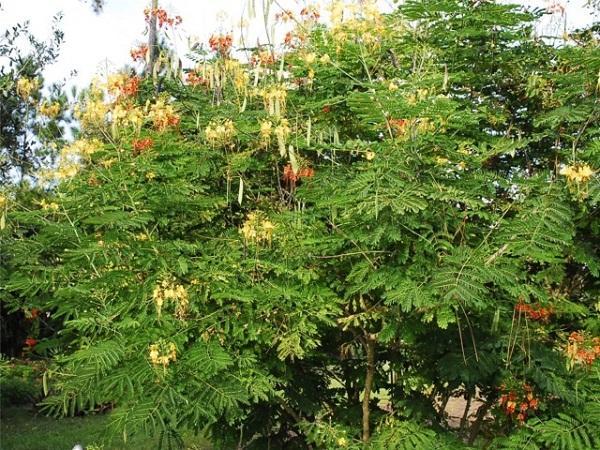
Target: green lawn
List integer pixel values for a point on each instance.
(22, 429)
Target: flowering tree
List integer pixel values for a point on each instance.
(321, 246)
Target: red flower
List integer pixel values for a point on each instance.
(30, 342)
(326, 109)
(34, 313)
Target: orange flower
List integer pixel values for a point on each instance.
(510, 407)
(139, 145)
(576, 336)
(534, 312)
(399, 125)
(265, 58)
(310, 13)
(162, 17)
(193, 79)
(221, 44)
(290, 176)
(139, 54)
(306, 172)
(524, 407)
(284, 16)
(30, 342)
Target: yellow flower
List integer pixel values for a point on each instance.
(579, 173)
(274, 99)
(342, 442)
(266, 129)
(3, 201)
(585, 172)
(282, 132)
(81, 147)
(220, 133)
(441, 161)
(150, 176)
(325, 59)
(369, 155)
(48, 206)
(167, 290)
(392, 87)
(50, 110)
(310, 58)
(153, 353)
(163, 115)
(161, 353)
(27, 86)
(257, 229)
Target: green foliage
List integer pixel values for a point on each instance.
(276, 264)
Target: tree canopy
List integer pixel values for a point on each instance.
(318, 246)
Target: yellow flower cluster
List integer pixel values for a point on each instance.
(220, 134)
(81, 148)
(418, 96)
(580, 173)
(50, 110)
(274, 98)
(282, 131)
(27, 86)
(115, 83)
(124, 115)
(266, 129)
(161, 353)
(257, 229)
(310, 58)
(360, 20)
(71, 157)
(168, 290)
(92, 111)
(163, 115)
(3, 201)
(48, 205)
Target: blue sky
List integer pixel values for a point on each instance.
(94, 43)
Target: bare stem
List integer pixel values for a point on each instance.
(369, 344)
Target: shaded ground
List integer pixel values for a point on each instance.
(22, 429)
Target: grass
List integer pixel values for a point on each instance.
(23, 429)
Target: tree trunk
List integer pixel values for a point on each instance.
(465, 417)
(481, 412)
(369, 344)
(152, 39)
